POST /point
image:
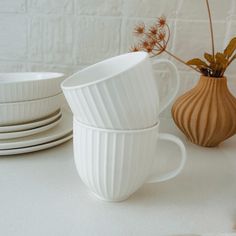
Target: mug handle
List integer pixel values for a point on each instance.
(173, 173)
(174, 74)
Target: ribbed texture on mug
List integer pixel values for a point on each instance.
(30, 90)
(126, 101)
(113, 165)
(16, 113)
(207, 113)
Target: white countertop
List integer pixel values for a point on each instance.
(41, 194)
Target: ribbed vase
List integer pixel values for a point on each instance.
(207, 113)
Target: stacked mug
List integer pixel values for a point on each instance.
(116, 124)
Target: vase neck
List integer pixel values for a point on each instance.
(207, 82)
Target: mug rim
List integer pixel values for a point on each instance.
(118, 131)
(65, 87)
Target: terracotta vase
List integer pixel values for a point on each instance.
(207, 113)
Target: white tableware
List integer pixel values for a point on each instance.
(118, 93)
(17, 87)
(31, 125)
(62, 129)
(28, 111)
(114, 163)
(36, 147)
(29, 132)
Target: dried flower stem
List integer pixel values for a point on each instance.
(175, 57)
(211, 28)
(168, 28)
(180, 60)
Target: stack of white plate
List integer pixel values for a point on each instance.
(31, 117)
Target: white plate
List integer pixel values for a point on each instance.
(31, 125)
(19, 134)
(36, 147)
(63, 128)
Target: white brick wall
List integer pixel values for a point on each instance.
(66, 35)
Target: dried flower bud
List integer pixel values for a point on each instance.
(152, 42)
(149, 49)
(161, 21)
(161, 36)
(145, 44)
(139, 30)
(153, 30)
(135, 48)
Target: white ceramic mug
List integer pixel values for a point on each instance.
(118, 93)
(114, 163)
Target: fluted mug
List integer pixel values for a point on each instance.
(119, 93)
(113, 164)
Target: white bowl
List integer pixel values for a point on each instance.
(22, 112)
(26, 86)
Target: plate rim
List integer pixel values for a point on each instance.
(29, 132)
(61, 132)
(36, 148)
(37, 123)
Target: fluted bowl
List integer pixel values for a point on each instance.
(27, 86)
(27, 111)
